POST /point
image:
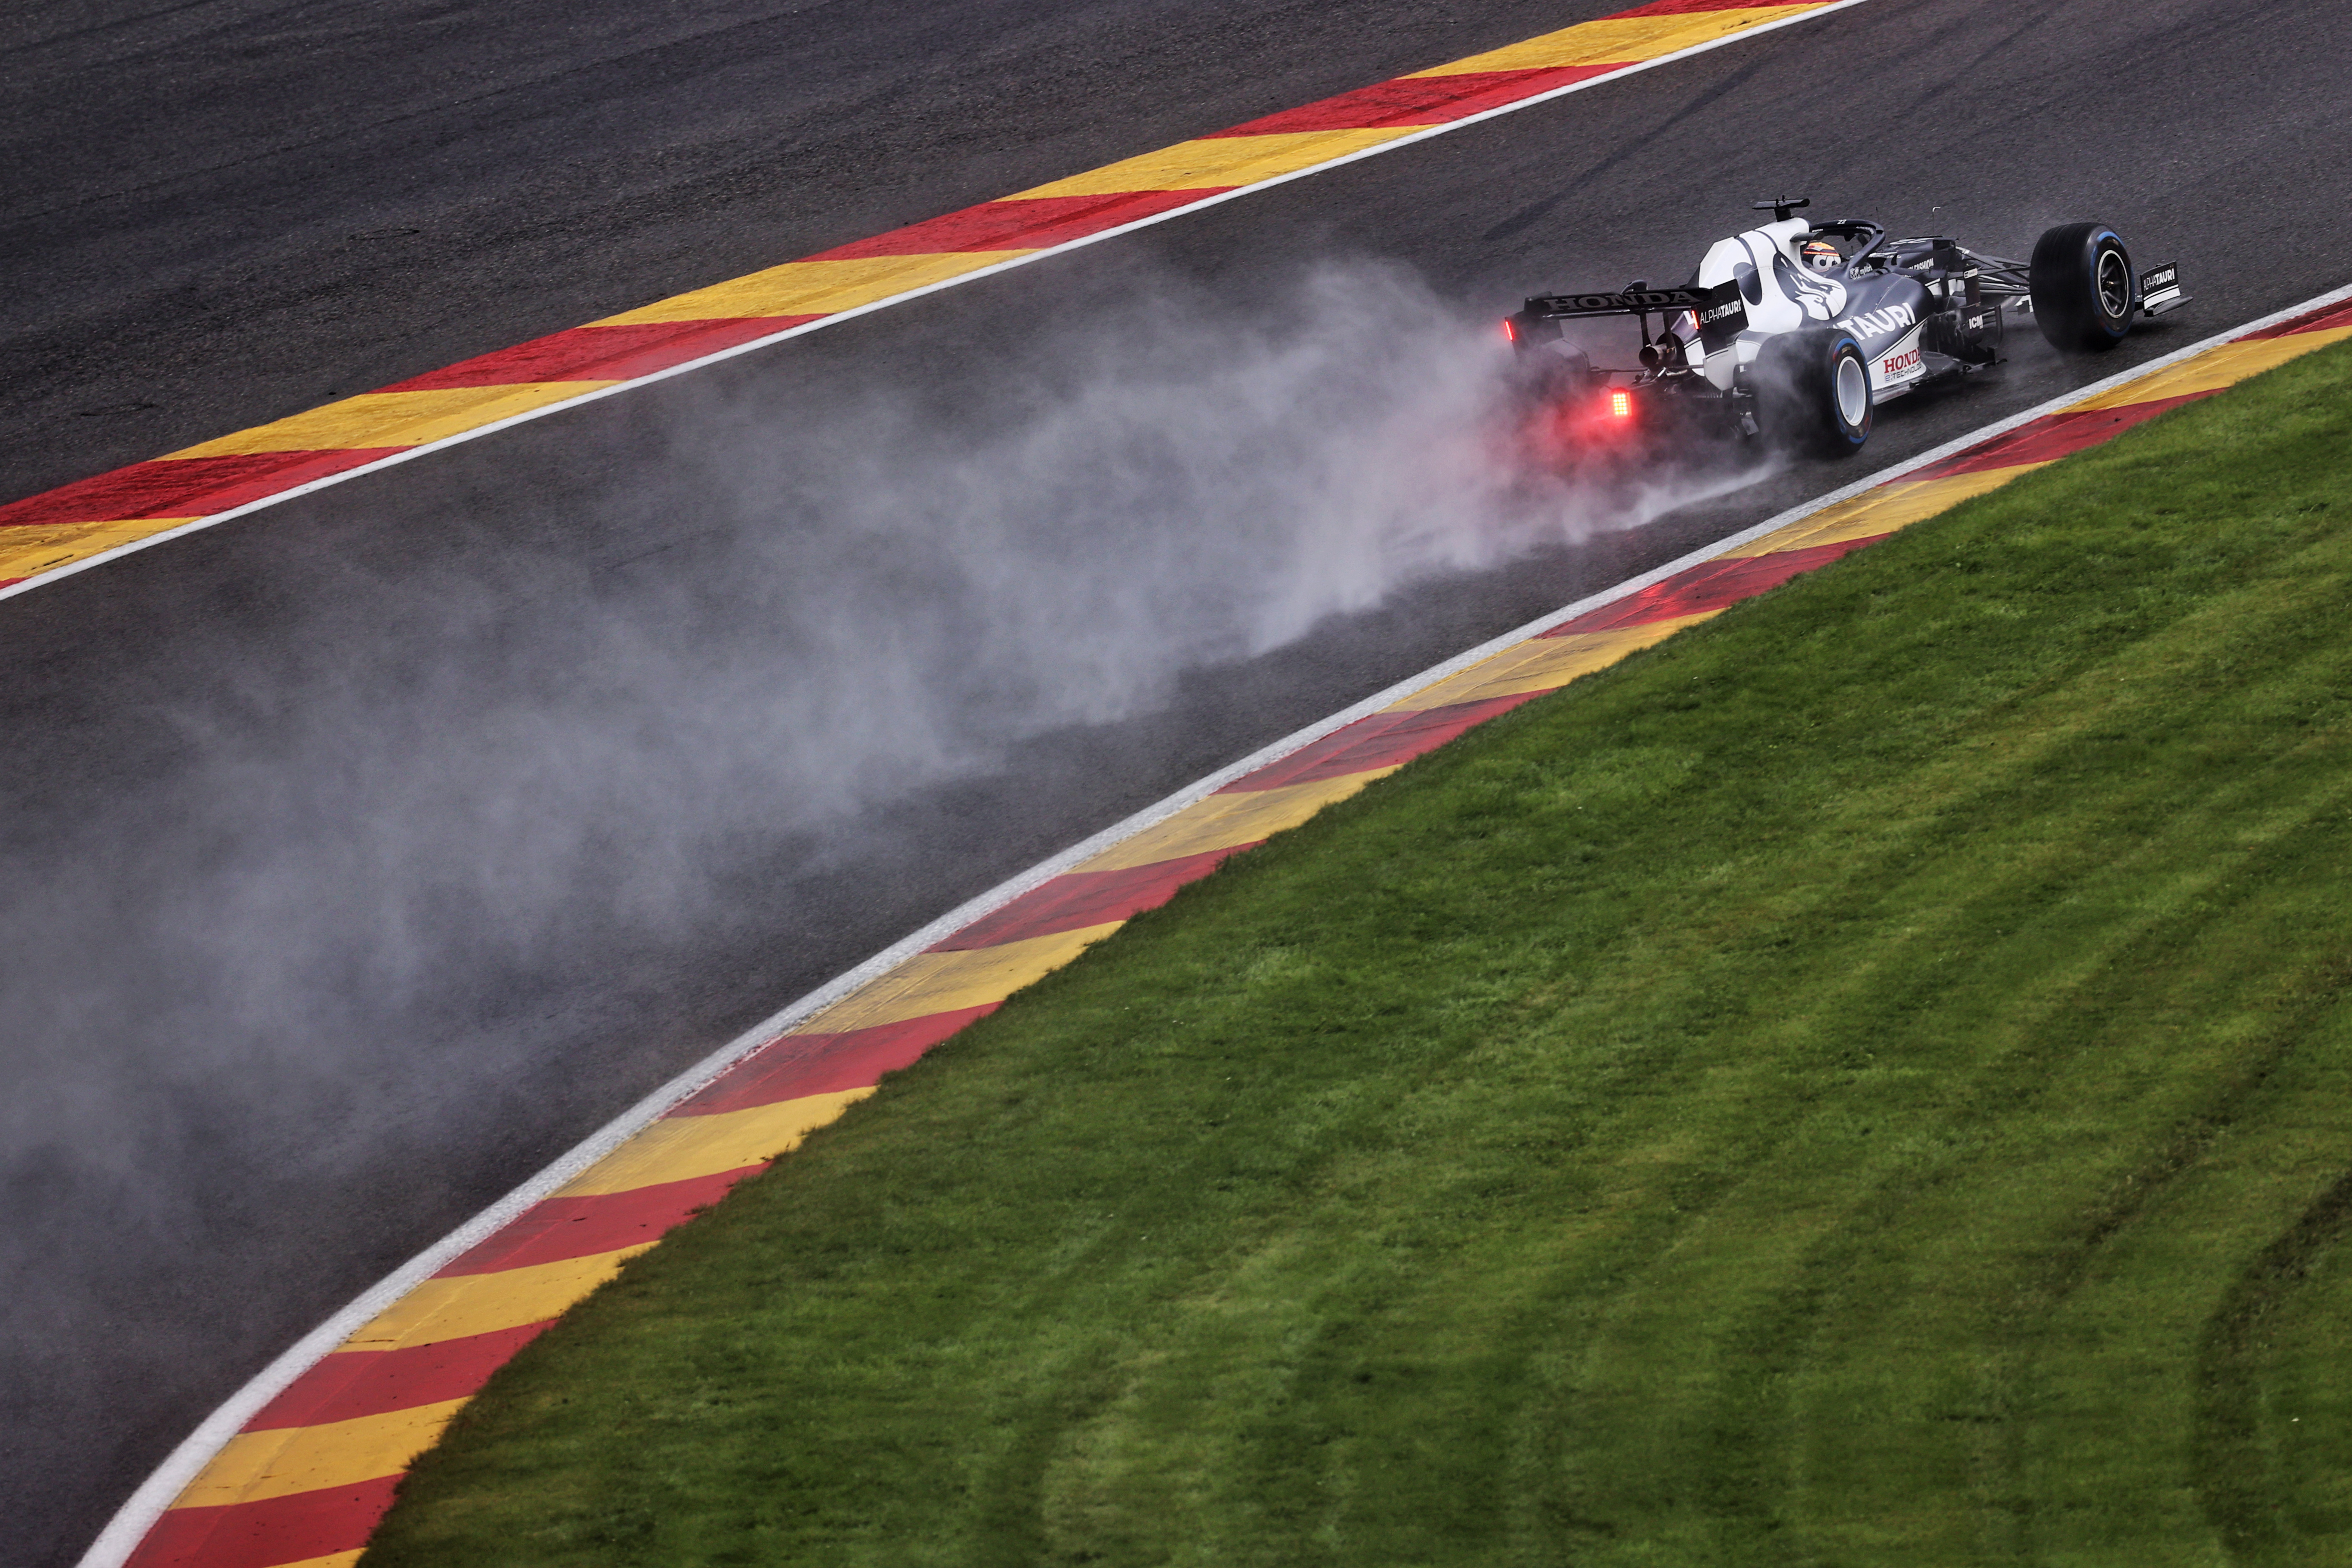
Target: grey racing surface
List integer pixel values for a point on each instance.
(364, 853)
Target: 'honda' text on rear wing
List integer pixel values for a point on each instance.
(1722, 313)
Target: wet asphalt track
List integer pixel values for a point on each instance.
(198, 1168)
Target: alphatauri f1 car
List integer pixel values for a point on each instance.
(1795, 331)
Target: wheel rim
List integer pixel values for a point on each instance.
(2115, 283)
(1852, 391)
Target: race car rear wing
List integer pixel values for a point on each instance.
(1722, 313)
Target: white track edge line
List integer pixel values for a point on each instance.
(307, 487)
(138, 1514)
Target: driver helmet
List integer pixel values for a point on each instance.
(1820, 256)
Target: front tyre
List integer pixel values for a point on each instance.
(2083, 290)
(1812, 390)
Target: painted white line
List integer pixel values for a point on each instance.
(834, 318)
(138, 1514)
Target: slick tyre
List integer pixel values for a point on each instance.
(1812, 390)
(2083, 290)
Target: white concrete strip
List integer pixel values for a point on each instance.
(494, 427)
(124, 1532)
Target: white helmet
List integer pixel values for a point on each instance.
(1820, 256)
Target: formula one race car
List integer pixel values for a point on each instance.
(1795, 332)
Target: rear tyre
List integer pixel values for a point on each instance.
(1812, 391)
(2083, 288)
(1546, 367)
(1557, 373)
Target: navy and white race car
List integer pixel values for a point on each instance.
(1795, 331)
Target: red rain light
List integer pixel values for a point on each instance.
(1510, 329)
(1620, 405)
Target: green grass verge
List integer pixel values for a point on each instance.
(1867, 1082)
